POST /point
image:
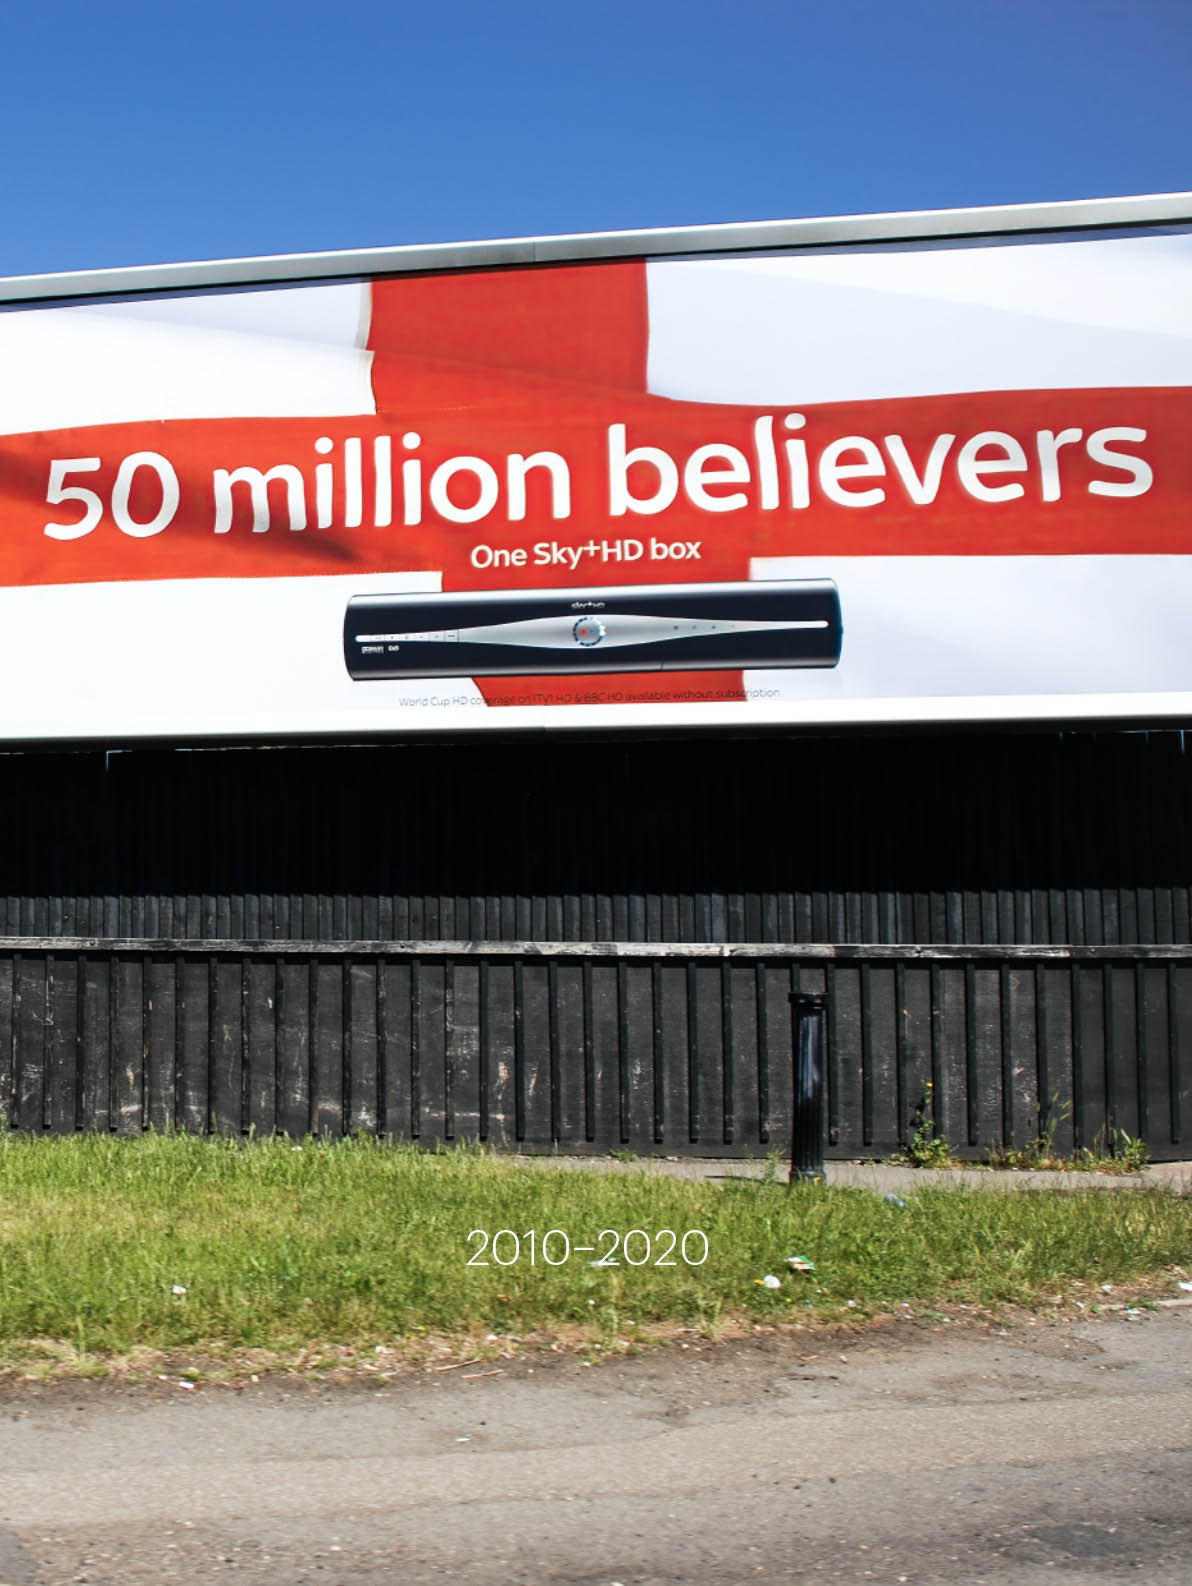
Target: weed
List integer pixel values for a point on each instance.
(773, 1166)
(926, 1148)
(1112, 1151)
(1041, 1153)
(1131, 1152)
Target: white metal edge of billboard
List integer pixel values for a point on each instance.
(1136, 712)
(895, 226)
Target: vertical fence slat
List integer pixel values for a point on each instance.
(658, 1055)
(637, 1054)
(432, 1048)
(449, 1049)
(1179, 1073)
(63, 986)
(950, 1092)
(554, 1061)
(500, 1020)
(7, 1043)
(971, 1083)
(1006, 1042)
(762, 1016)
(261, 1021)
(709, 1050)
(161, 1017)
(360, 1032)
(393, 1042)
(1021, 1055)
(742, 1052)
(519, 1053)
(96, 1047)
(29, 1019)
(624, 1111)
(127, 1014)
(226, 1035)
(848, 1043)
(881, 1055)
(832, 1055)
(589, 1058)
(465, 1049)
(917, 1023)
(987, 1065)
(294, 1114)
(415, 1048)
(569, 1074)
(693, 1073)
(1141, 1051)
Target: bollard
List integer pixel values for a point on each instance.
(807, 1146)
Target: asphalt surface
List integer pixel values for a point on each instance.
(941, 1456)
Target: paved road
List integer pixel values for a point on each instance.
(1056, 1453)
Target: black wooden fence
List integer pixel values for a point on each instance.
(987, 838)
(682, 1049)
(414, 939)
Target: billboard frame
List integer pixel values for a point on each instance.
(920, 225)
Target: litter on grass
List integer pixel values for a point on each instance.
(800, 1264)
(771, 1282)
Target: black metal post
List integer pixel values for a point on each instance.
(807, 1146)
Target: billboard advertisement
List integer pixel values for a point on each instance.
(887, 481)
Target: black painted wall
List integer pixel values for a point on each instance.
(1080, 838)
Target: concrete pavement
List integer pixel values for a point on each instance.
(882, 1177)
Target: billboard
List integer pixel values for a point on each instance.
(936, 471)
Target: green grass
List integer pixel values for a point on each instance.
(359, 1243)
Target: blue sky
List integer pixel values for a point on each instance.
(135, 133)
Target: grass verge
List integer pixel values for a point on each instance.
(111, 1246)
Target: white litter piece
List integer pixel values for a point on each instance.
(771, 1282)
(179, 1288)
